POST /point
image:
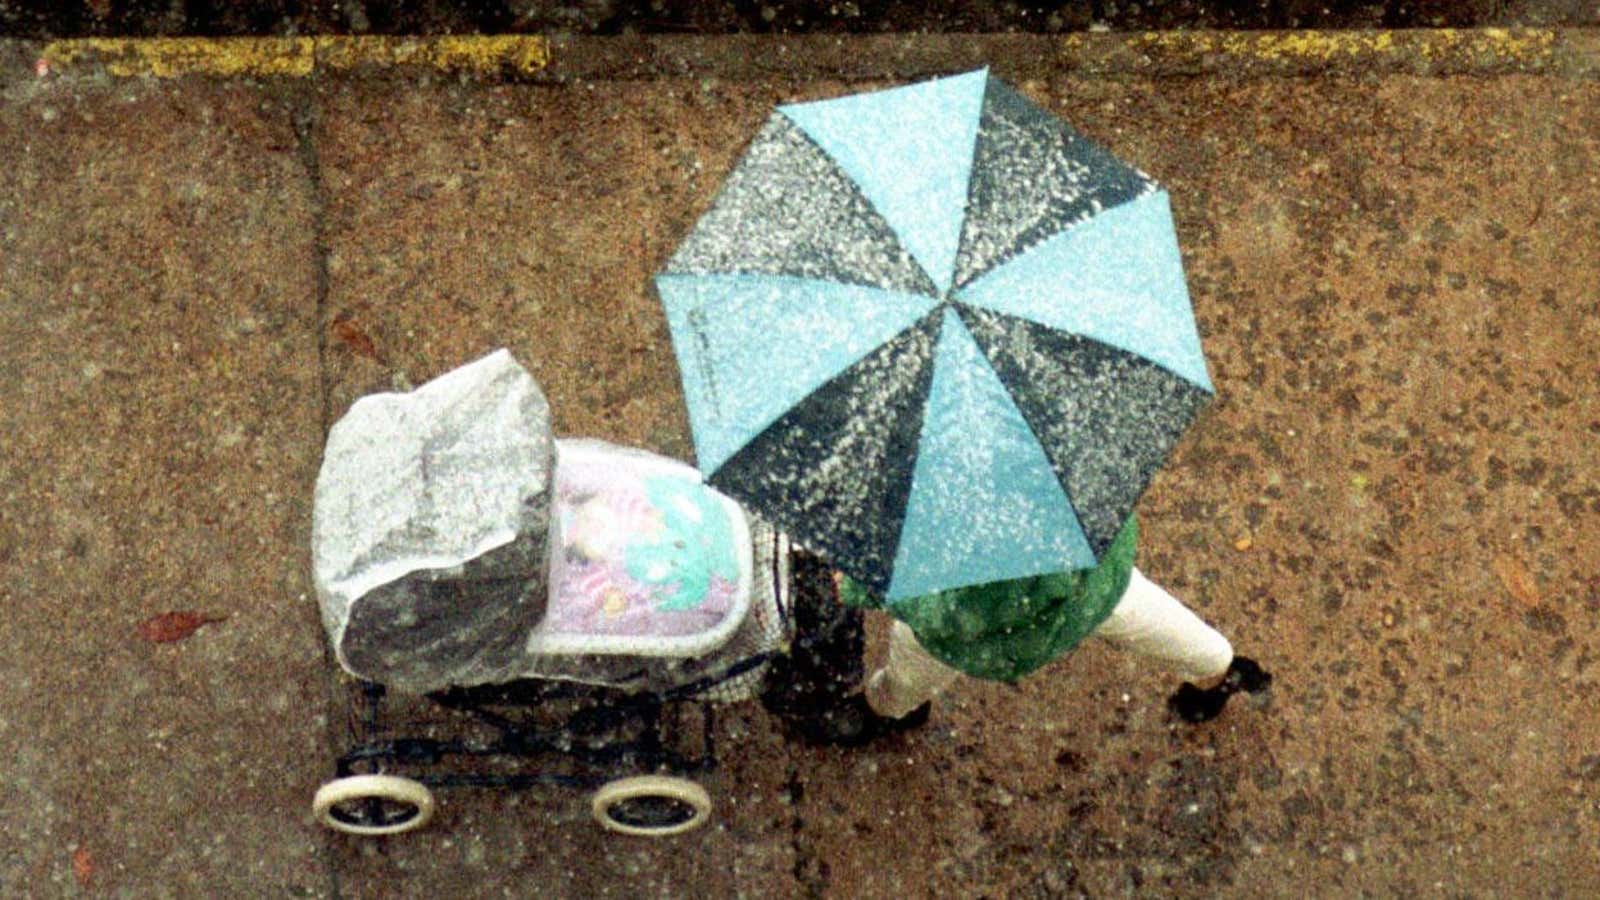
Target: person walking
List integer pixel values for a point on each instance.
(1007, 630)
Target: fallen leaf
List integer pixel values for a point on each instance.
(82, 866)
(352, 336)
(1243, 543)
(1517, 579)
(174, 626)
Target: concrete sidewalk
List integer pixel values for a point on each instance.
(1394, 502)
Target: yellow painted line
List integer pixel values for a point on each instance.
(297, 57)
(1267, 46)
(1520, 45)
(1265, 52)
(1489, 45)
(476, 54)
(175, 57)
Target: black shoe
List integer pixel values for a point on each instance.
(1195, 705)
(1245, 674)
(852, 723)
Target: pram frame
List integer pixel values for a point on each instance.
(812, 672)
(518, 740)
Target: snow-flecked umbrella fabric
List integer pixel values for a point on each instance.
(1033, 177)
(935, 334)
(787, 209)
(990, 474)
(843, 458)
(933, 126)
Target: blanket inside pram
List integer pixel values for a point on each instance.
(649, 561)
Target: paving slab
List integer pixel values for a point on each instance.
(160, 397)
(1392, 503)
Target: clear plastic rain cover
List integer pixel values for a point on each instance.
(431, 530)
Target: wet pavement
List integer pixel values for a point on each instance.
(1394, 502)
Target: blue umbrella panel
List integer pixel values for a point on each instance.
(936, 334)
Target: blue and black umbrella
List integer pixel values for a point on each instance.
(936, 334)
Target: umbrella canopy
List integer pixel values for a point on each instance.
(935, 334)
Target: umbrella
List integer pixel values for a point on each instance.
(936, 334)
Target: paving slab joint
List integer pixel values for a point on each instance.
(809, 873)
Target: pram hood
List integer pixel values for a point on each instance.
(457, 542)
(431, 527)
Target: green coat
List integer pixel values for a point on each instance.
(1003, 630)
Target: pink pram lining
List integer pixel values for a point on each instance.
(647, 560)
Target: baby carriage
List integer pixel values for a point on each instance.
(572, 602)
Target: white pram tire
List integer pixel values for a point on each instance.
(652, 805)
(371, 805)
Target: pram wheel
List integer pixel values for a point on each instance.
(652, 805)
(373, 804)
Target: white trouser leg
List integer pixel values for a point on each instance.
(909, 679)
(1151, 622)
